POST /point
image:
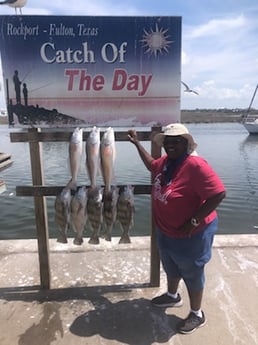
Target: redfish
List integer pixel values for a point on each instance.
(107, 156)
(93, 155)
(75, 153)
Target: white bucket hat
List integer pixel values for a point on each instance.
(175, 129)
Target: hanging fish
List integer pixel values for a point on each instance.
(109, 211)
(107, 156)
(92, 155)
(75, 153)
(125, 212)
(79, 214)
(94, 212)
(62, 214)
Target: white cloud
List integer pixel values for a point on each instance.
(80, 7)
(217, 27)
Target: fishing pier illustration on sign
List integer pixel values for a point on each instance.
(95, 78)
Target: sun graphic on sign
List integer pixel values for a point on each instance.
(156, 41)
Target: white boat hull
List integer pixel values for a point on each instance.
(251, 127)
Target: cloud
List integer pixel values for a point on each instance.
(82, 7)
(216, 27)
(74, 7)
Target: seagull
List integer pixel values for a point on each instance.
(14, 3)
(187, 88)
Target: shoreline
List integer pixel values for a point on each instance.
(194, 116)
(211, 116)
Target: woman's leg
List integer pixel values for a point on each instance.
(195, 299)
(173, 284)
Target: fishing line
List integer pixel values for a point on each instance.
(41, 87)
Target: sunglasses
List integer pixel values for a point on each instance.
(173, 141)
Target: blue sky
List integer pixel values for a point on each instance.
(219, 42)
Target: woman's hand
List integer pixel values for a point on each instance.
(132, 136)
(187, 228)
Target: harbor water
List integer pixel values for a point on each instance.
(229, 149)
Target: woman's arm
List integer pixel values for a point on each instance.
(209, 205)
(206, 208)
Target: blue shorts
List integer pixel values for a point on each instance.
(185, 258)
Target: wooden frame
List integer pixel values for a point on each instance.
(39, 191)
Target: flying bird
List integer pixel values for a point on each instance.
(14, 3)
(187, 88)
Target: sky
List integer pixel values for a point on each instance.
(219, 43)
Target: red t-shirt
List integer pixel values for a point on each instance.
(193, 182)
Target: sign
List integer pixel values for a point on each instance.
(64, 71)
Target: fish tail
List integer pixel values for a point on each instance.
(94, 239)
(108, 233)
(72, 184)
(125, 238)
(61, 238)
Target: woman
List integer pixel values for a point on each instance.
(185, 194)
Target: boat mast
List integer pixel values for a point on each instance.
(249, 108)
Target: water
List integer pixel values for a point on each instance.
(226, 146)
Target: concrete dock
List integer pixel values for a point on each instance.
(100, 294)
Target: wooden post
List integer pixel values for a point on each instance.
(7, 92)
(40, 212)
(155, 260)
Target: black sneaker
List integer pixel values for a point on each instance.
(167, 301)
(191, 323)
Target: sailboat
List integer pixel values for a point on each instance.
(250, 121)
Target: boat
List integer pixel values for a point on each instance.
(2, 186)
(250, 119)
(5, 160)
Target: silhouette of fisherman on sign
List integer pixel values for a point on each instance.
(17, 86)
(25, 94)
